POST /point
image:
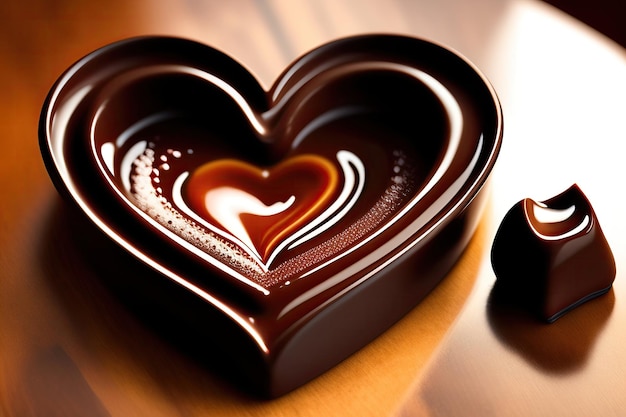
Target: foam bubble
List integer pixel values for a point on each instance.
(151, 201)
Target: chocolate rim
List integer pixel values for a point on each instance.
(465, 77)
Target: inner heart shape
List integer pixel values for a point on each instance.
(260, 208)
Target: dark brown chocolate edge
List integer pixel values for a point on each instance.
(351, 317)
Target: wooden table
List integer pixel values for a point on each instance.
(68, 346)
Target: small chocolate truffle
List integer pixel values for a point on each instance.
(551, 256)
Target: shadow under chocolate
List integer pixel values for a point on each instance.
(55, 387)
(121, 307)
(561, 347)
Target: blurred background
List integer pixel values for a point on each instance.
(606, 16)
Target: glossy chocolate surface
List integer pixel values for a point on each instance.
(552, 256)
(310, 217)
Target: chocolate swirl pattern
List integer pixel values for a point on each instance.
(232, 245)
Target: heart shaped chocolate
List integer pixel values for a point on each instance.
(312, 216)
(261, 210)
